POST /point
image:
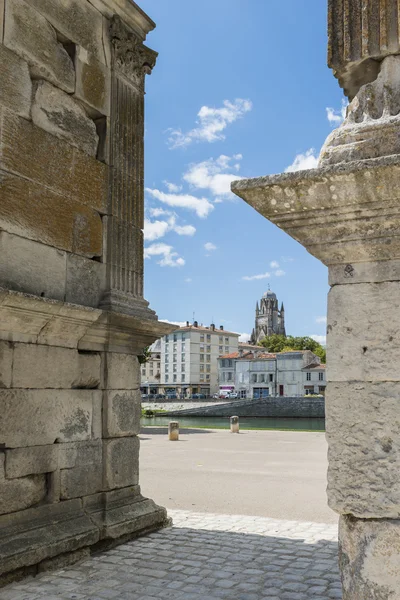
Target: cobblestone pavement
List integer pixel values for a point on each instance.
(203, 557)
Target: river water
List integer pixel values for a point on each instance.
(278, 424)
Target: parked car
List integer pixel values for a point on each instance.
(232, 395)
(216, 396)
(199, 396)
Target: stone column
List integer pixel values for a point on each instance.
(346, 214)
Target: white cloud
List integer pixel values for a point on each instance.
(274, 265)
(215, 175)
(185, 229)
(158, 212)
(320, 319)
(209, 246)
(153, 230)
(188, 280)
(287, 259)
(172, 187)
(255, 277)
(336, 117)
(244, 338)
(179, 323)
(168, 257)
(201, 206)
(279, 273)
(321, 339)
(308, 160)
(211, 123)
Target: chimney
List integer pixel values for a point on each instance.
(212, 327)
(187, 323)
(221, 327)
(195, 324)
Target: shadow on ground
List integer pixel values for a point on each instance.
(195, 563)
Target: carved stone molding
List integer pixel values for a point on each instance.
(131, 57)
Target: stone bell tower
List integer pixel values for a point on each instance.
(346, 213)
(73, 319)
(269, 319)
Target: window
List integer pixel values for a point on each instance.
(201, 347)
(201, 368)
(208, 368)
(208, 357)
(271, 378)
(166, 368)
(208, 337)
(175, 346)
(202, 338)
(226, 348)
(207, 377)
(166, 359)
(183, 368)
(166, 348)
(166, 379)
(174, 368)
(226, 340)
(208, 348)
(230, 376)
(262, 378)
(230, 363)
(151, 372)
(158, 366)
(201, 377)
(182, 358)
(183, 378)
(308, 376)
(220, 348)
(175, 337)
(175, 358)
(174, 378)
(143, 371)
(321, 376)
(166, 339)
(221, 339)
(254, 378)
(183, 336)
(201, 357)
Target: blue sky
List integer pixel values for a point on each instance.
(240, 89)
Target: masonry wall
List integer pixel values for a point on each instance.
(70, 243)
(268, 407)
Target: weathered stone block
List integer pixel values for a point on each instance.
(37, 155)
(33, 211)
(41, 417)
(16, 84)
(30, 35)
(6, 364)
(121, 462)
(365, 272)
(86, 281)
(39, 366)
(31, 461)
(86, 476)
(93, 83)
(360, 346)
(78, 21)
(122, 371)
(363, 433)
(17, 494)
(121, 413)
(369, 557)
(57, 113)
(30, 267)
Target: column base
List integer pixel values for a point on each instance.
(122, 302)
(54, 535)
(369, 556)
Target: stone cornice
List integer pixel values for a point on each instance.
(30, 319)
(129, 12)
(346, 213)
(130, 56)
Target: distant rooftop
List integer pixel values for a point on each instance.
(210, 329)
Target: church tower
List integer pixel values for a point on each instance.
(269, 319)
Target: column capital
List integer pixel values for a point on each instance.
(131, 57)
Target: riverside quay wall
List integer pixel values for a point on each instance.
(266, 407)
(73, 319)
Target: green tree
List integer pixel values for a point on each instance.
(144, 357)
(280, 343)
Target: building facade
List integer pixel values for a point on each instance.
(150, 374)
(269, 318)
(258, 374)
(188, 361)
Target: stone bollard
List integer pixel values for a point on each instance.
(173, 431)
(234, 424)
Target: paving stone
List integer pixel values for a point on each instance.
(180, 563)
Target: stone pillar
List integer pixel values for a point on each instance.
(73, 319)
(346, 214)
